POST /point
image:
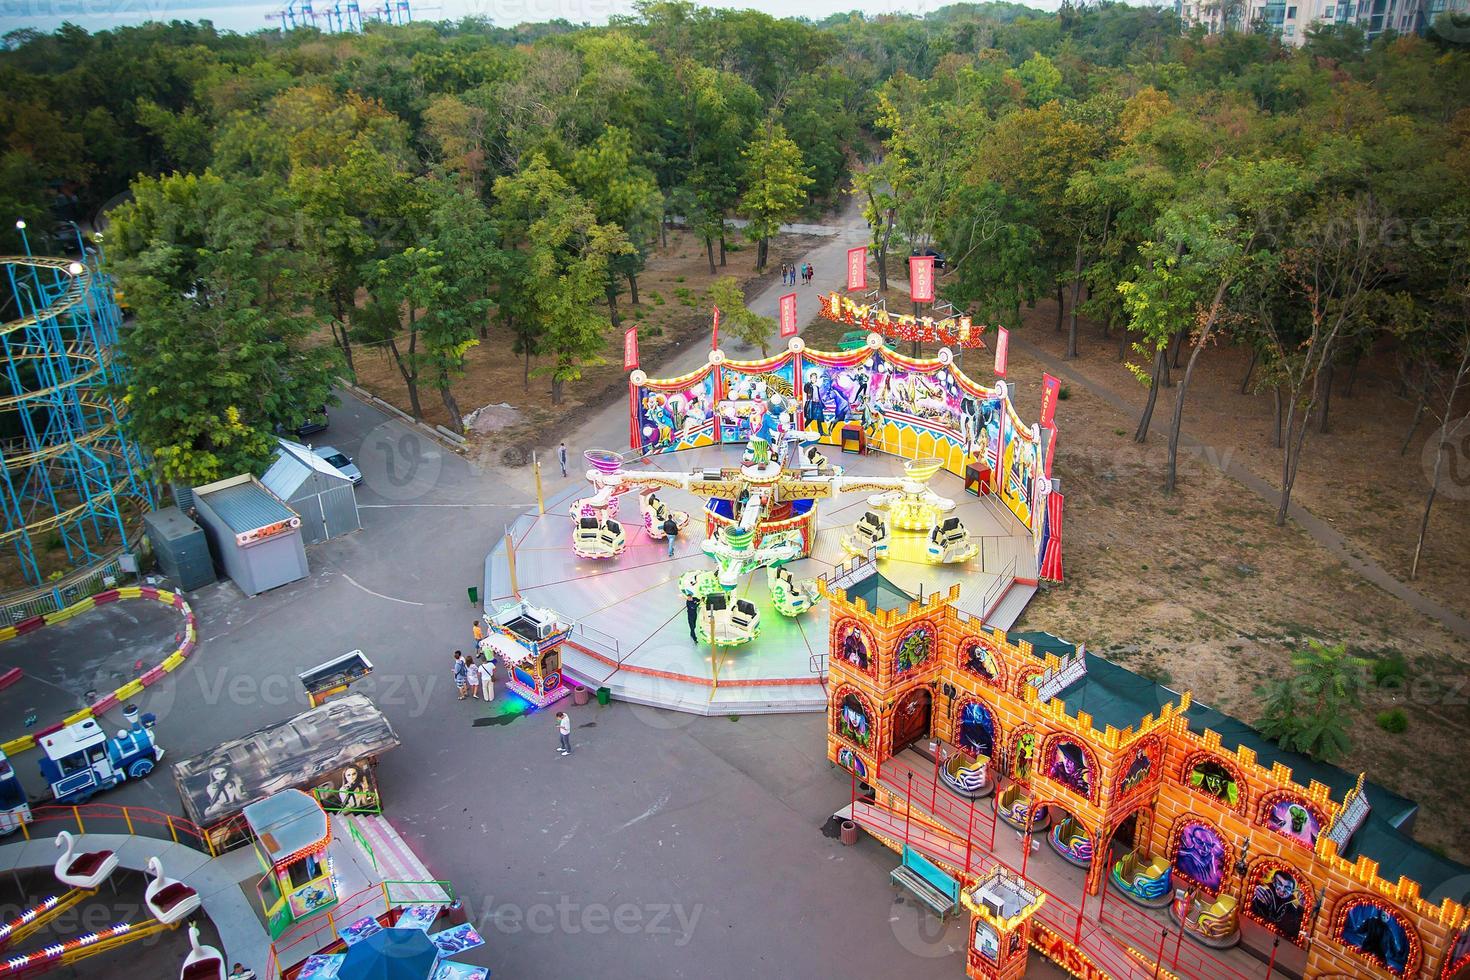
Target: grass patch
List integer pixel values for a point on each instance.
(1390, 670)
(1394, 722)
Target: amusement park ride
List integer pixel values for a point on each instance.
(762, 514)
(169, 903)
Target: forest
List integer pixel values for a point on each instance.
(404, 188)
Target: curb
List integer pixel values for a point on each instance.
(445, 437)
(133, 687)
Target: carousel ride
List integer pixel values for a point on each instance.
(169, 903)
(762, 515)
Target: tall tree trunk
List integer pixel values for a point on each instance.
(761, 251)
(612, 307)
(709, 251)
(1123, 341)
(1076, 292)
(1276, 417)
(456, 418)
(663, 232)
(1326, 389)
(1250, 369)
(1291, 456)
(1161, 364)
(883, 256)
(410, 377)
(1177, 422)
(1413, 426)
(526, 374)
(1060, 308)
(1171, 349)
(633, 288)
(722, 243)
(344, 338)
(1424, 522)
(1353, 376)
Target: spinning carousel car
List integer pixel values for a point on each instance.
(1144, 881)
(790, 597)
(734, 622)
(1069, 839)
(655, 513)
(967, 777)
(597, 538)
(814, 458)
(168, 899)
(1211, 923)
(203, 962)
(870, 533)
(949, 541)
(1013, 807)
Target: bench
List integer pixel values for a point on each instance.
(927, 881)
(937, 901)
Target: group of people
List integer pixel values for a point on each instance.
(790, 272)
(474, 673)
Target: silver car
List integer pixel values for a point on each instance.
(340, 460)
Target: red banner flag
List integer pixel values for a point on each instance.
(1049, 388)
(1002, 350)
(714, 337)
(788, 315)
(630, 348)
(857, 267)
(921, 278)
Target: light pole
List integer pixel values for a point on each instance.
(20, 226)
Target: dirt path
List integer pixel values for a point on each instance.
(1321, 531)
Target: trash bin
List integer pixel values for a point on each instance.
(603, 695)
(455, 914)
(579, 695)
(474, 592)
(849, 833)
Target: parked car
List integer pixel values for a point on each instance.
(937, 255)
(340, 460)
(315, 421)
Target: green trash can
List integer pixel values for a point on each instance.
(474, 592)
(603, 695)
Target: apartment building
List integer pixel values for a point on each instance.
(1291, 19)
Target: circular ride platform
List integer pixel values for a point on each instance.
(632, 633)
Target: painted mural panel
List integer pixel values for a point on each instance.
(854, 647)
(1279, 899)
(975, 732)
(855, 720)
(1215, 779)
(772, 381)
(1069, 764)
(1200, 855)
(1018, 468)
(1376, 932)
(1292, 818)
(914, 649)
(676, 416)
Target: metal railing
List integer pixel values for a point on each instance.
(322, 935)
(56, 596)
(103, 818)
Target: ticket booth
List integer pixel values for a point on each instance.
(291, 833)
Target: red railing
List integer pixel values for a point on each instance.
(970, 817)
(109, 818)
(1104, 928)
(311, 939)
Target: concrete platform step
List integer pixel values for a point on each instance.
(677, 695)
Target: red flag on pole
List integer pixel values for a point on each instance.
(788, 315)
(1049, 388)
(921, 278)
(630, 348)
(857, 267)
(1002, 350)
(714, 337)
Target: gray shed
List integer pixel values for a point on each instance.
(180, 547)
(255, 537)
(317, 491)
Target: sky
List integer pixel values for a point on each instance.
(96, 15)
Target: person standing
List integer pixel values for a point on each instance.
(478, 632)
(461, 675)
(564, 733)
(691, 609)
(472, 676)
(671, 532)
(487, 678)
(561, 457)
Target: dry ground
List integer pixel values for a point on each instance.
(674, 309)
(1201, 590)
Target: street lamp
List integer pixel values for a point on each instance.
(75, 268)
(20, 226)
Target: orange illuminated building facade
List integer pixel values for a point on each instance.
(1146, 834)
